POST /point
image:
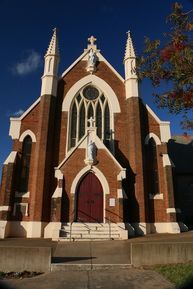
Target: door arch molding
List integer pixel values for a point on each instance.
(98, 174)
(89, 200)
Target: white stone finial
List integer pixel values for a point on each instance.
(129, 51)
(91, 43)
(92, 40)
(53, 46)
(91, 122)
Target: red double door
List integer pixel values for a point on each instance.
(89, 200)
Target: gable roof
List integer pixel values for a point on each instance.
(83, 56)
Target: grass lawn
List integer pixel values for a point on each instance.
(178, 274)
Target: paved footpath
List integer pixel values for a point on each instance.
(93, 254)
(106, 279)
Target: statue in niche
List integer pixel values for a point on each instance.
(91, 151)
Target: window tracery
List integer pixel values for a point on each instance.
(90, 102)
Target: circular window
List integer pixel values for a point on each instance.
(90, 92)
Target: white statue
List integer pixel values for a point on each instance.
(91, 58)
(91, 151)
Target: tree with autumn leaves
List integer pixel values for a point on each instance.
(172, 62)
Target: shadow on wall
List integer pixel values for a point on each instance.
(16, 229)
(180, 150)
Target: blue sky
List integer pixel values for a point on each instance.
(26, 29)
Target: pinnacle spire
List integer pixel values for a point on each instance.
(129, 51)
(53, 46)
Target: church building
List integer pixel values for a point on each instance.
(89, 158)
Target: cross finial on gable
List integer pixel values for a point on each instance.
(92, 41)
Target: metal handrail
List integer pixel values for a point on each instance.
(109, 221)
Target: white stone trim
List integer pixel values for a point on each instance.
(70, 152)
(165, 131)
(156, 197)
(52, 230)
(26, 205)
(131, 88)
(35, 229)
(100, 145)
(26, 112)
(75, 62)
(157, 227)
(27, 132)
(121, 175)
(173, 210)
(154, 136)
(14, 129)
(102, 180)
(99, 175)
(15, 122)
(153, 114)
(58, 174)
(141, 228)
(169, 227)
(121, 194)
(4, 208)
(57, 193)
(100, 58)
(98, 82)
(164, 125)
(29, 229)
(4, 229)
(166, 160)
(11, 158)
(22, 194)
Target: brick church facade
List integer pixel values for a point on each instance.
(88, 152)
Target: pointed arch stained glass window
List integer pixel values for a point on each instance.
(89, 102)
(153, 167)
(25, 164)
(82, 121)
(73, 125)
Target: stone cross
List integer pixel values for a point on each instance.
(92, 40)
(91, 121)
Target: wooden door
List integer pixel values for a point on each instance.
(90, 200)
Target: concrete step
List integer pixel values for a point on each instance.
(88, 231)
(91, 225)
(67, 230)
(93, 236)
(87, 267)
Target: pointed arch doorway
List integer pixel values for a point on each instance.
(89, 200)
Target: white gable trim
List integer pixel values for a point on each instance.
(154, 136)
(26, 112)
(100, 58)
(27, 132)
(99, 144)
(95, 80)
(153, 114)
(11, 158)
(163, 125)
(70, 153)
(74, 63)
(99, 175)
(15, 122)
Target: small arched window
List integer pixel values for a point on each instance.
(25, 164)
(90, 102)
(153, 167)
